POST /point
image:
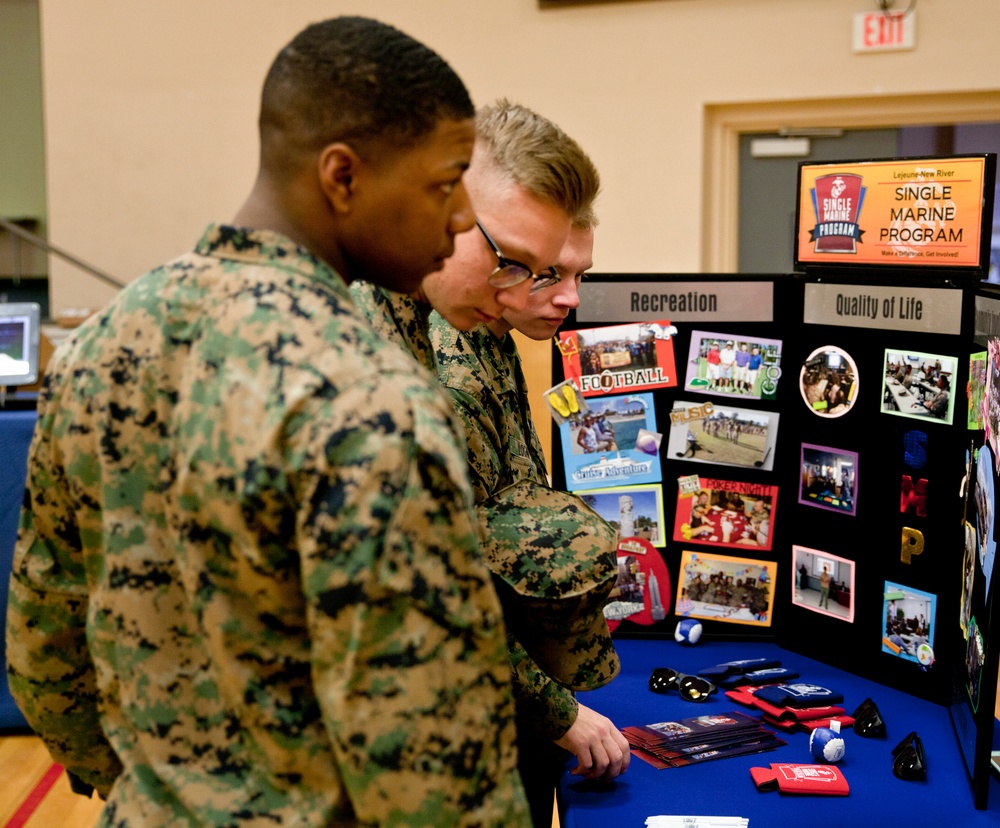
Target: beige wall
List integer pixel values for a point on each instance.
(150, 107)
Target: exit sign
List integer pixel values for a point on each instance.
(882, 31)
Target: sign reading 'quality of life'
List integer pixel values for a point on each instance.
(913, 212)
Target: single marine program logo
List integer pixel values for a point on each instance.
(837, 200)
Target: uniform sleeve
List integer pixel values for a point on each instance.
(543, 705)
(485, 449)
(409, 650)
(50, 672)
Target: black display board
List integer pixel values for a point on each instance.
(898, 539)
(838, 492)
(691, 302)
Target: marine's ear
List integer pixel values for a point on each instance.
(337, 167)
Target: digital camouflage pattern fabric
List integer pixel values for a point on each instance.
(247, 587)
(556, 564)
(397, 318)
(486, 382)
(543, 706)
(490, 394)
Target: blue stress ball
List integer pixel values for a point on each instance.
(826, 744)
(688, 631)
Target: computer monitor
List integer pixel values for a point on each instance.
(20, 333)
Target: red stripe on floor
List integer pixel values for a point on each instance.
(34, 799)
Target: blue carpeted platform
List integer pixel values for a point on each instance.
(724, 787)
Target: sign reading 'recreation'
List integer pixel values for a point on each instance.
(930, 212)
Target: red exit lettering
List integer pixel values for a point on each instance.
(877, 31)
(883, 30)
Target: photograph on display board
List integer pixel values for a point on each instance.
(968, 578)
(619, 358)
(829, 478)
(733, 366)
(971, 519)
(908, 623)
(727, 513)
(919, 385)
(736, 590)
(823, 583)
(985, 514)
(641, 593)
(976, 390)
(722, 434)
(613, 443)
(991, 401)
(975, 657)
(829, 382)
(635, 511)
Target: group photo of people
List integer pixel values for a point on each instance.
(737, 590)
(611, 443)
(633, 351)
(609, 424)
(919, 385)
(908, 622)
(828, 382)
(727, 365)
(727, 516)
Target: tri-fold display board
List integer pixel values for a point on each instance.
(811, 457)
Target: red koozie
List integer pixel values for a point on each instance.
(822, 780)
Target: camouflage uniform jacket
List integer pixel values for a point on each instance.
(490, 393)
(397, 318)
(247, 588)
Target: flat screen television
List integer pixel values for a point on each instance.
(20, 332)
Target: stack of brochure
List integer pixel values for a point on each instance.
(697, 822)
(699, 739)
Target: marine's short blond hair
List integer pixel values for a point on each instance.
(539, 156)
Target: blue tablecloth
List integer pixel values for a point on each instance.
(16, 428)
(724, 787)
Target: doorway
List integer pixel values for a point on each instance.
(977, 113)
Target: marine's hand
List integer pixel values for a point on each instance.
(600, 749)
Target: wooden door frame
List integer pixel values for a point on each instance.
(724, 123)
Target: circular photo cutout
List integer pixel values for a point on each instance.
(829, 381)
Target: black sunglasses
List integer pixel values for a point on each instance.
(908, 760)
(868, 720)
(691, 688)
(510, 272)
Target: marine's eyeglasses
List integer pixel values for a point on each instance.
(908, 760)
(510, 272)
(868, 720)
(691, 688)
